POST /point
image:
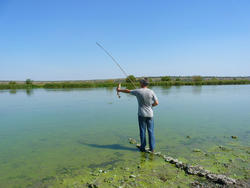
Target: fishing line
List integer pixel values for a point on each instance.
(123, 71)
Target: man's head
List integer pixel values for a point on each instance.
(144, 82)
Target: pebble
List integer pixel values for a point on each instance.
(223, 148)
(196, 150)
(132, 141)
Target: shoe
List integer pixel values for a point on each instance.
(142, 149)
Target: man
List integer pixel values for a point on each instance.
(146, 100)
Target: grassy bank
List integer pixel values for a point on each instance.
(114, 84)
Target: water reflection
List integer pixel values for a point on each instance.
(13, 91)
(165, 90)
(196, 89)
(110, 90)
(29, 92)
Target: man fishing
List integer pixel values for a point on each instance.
(146, 100)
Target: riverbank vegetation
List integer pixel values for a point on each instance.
(164, 81)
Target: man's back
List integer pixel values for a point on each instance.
(145, 97)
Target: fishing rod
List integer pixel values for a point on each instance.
(123, 71)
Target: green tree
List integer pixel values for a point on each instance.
(165, 78)
(177, 79)
(214, 79)
(130, 78)
(109, 81)
(197, 79)
(12, 82)
(28, 81)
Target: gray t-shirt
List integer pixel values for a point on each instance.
(145, 97)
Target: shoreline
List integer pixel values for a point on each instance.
(109, 83)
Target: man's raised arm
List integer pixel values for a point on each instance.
(118, 89)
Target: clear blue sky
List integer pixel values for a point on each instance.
(55, 39)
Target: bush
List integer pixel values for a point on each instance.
(130, 78)
(165, 78)
(12, 82)
(197, 79)
(28, 81)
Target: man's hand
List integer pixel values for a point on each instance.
(118, 89)
(155, 103)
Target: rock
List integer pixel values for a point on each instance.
(174, 161)
(127, 169)
(179, 164)
(100, 171)
(168, 159)
(206, 154)
(132, 176)
(195, 170)
(132, 141)
(108, 180)
(188, 137)
(221, 179)
(196, 184)
(234, 137)
(223, 148)
(196, 150)
(92, 185)
(158, 153)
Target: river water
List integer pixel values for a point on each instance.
(43, 132)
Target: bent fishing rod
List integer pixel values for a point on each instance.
(123, 71)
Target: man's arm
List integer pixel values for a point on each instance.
(155, 103)
(118, 89)
(155, 99)
(123, 90)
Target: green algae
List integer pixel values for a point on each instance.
(149, 172)
(65, 143)
(152, 171)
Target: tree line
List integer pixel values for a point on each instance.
(164, 81)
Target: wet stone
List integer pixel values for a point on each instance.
(132, 141)
(92, 185)
(132, 176)
(196, 150)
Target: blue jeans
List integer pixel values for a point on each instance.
(149, 123)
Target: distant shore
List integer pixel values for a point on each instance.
(154, 81)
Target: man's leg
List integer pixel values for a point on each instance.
(151, 137)
(142, 128)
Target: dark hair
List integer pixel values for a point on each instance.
(144, 81)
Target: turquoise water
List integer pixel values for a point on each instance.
(43, 132)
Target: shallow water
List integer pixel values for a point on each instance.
(44, 133)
